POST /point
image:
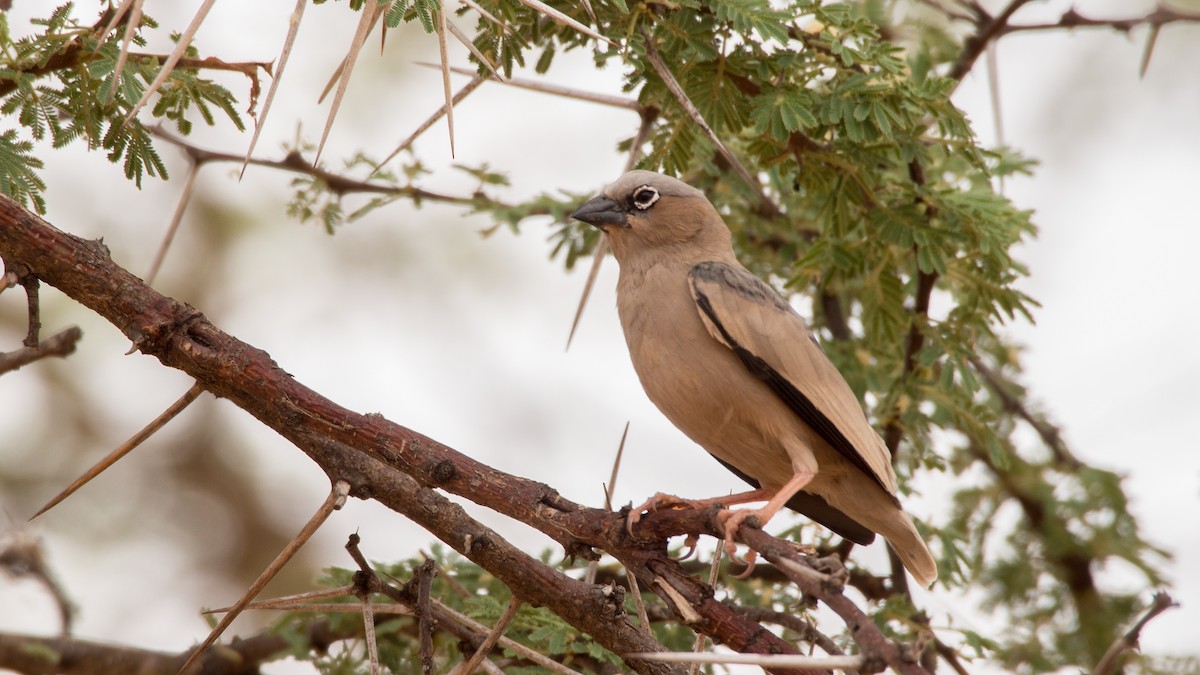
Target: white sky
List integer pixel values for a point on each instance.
(411, 314)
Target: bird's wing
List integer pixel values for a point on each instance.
(747, 316)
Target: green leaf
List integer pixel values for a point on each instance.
(18, 176)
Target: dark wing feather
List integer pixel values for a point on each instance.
(772, 341)
(817, 509)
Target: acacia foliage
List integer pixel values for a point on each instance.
(872, 197)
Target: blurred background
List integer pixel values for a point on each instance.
(414, 314)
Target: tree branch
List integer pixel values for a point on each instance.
(1160, 16)
(1111, 661)
(60, 344)
(987, 29)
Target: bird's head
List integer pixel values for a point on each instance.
(644, 211)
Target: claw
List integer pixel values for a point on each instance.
(690, 542)
(729, 522)
(631, 520)
(659, 500)
(749, 561)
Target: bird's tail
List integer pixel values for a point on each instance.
(907, 544)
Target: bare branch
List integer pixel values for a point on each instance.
(33, 310)
(23, 556)
(437, 115)
(557, 90)
(1160, 16)
(185, 40)
(337, 183)
(371, 12)
(445, 60)
(135, 19)
(492, 638)
(664, 73)
(335, 500)
(987, 29)
(185, 196)
(764, 660)
(60, 344)
(125, 448)
(1111, 661)
(543, 8)
(1046, 431)
(424, 616)
(276, 77)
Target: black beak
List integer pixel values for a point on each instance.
(601, 211)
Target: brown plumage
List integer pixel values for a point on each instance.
(731, 364)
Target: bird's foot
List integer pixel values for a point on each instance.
(728, 522)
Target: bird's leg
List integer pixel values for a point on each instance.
(663, 500)
(729, 521)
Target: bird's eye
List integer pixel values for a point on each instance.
(644, 197)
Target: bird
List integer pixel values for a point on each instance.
(731, 364)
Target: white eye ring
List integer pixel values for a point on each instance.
(644, 197)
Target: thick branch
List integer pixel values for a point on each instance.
(32, 655)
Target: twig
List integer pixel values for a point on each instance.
(635, 152)
(24, 556)
(543, 8)
(488, 15)
(185, 196)
(445, 60)
(276, 77)
(335, 500)
(336, 183)
(764, 660)
(537, 658)
(60, 344)
(950, 656)
(987, 29)
(590, 576)
(368, 615)
(185, 40)
(479, 56)
(1160, 16)
(32, 309)
(297, 599)
(125, 448)
(425, 576)
(805, 630)
(135, 19)
(557, 90)
(493, 636)
(117, 15)
(1111, 660)
(664, 73)
(371, 11)
(713, 572)
(827, 588)
(1046, 431)
(437, 115)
